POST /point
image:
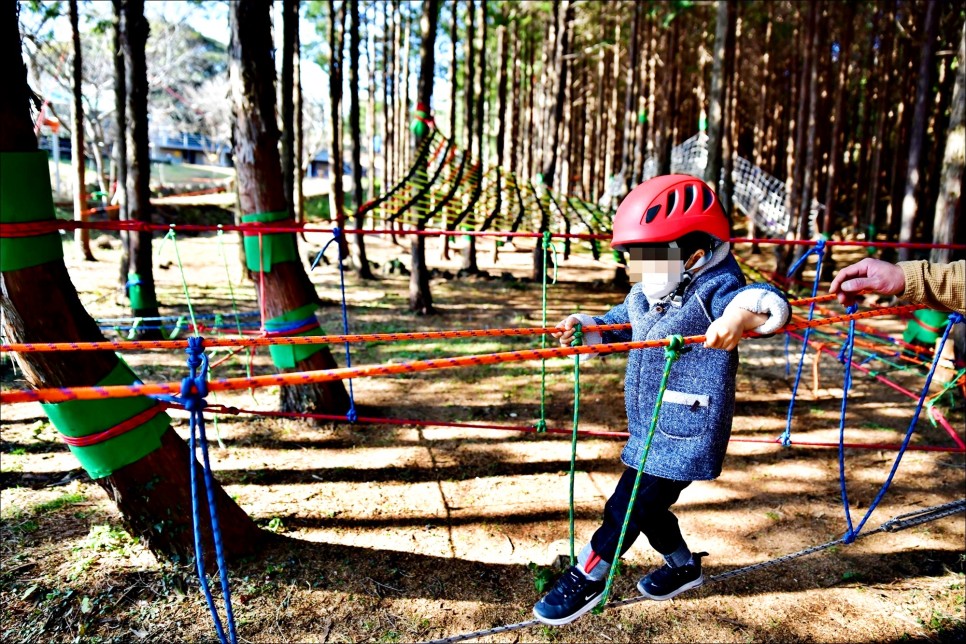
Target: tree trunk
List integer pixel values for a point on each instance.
(120, 143)
(371, 104)
(949, 205)
(134, 38)
(469, 264)
(359, 247)
(82, 236)
(663, 139)
(285, 287)
(811, 130)
(838, 116)
(560, 75)
(290, 26)
(718, 96)
(927, 63)
(299, 203)
(630, 89)
(392, 39)
(878, 141)
(420, 297)
(159, 515)
(336, 189)
(730, 140)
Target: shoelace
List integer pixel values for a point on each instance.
(572, 583)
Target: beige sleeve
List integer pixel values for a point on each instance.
(940, 286)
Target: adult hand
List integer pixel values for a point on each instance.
(869, 274)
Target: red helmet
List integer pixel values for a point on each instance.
(667, 208)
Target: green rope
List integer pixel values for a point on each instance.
(184, 284)
(947, 389)
(671, 353)
(547, 245)
(576, 342)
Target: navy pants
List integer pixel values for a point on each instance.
(651, 515)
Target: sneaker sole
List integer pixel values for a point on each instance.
(569, 618)
(688, 586)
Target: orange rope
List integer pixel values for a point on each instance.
(144, 345)
(54, 395)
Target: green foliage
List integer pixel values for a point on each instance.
(542, 576)
(72, 498)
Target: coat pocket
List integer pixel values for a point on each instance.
(683, 415)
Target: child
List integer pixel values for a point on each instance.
(687, 283)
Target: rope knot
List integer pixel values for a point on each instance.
(195, 351)
(674, 347)
(546, 240)
(352, 416)
(578, 336)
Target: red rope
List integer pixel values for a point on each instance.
(222, 409)
(121, 428)
(30, 229)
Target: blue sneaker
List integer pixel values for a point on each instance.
(667, 582)
(572, 596)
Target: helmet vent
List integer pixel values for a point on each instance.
(708, 198)
(651, 214)
(672, 199)
(688, 197)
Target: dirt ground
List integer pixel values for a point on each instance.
(397, 533)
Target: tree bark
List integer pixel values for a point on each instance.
(927, 63)
(420, 297)
(286, 287)
(159, 515)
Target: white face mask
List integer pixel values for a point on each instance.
(658, 278)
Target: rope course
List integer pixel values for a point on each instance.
(52, 395)
(446, 189)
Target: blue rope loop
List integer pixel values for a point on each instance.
(954, 318)
(845, 357)
(819, 252)
(194, 388)
(352, 415)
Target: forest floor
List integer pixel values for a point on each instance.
(397, 533)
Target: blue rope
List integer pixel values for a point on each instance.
(193, 390)
(819, 251)
(850, 536)
(286, 327)
(845, 357)
(352, 416)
